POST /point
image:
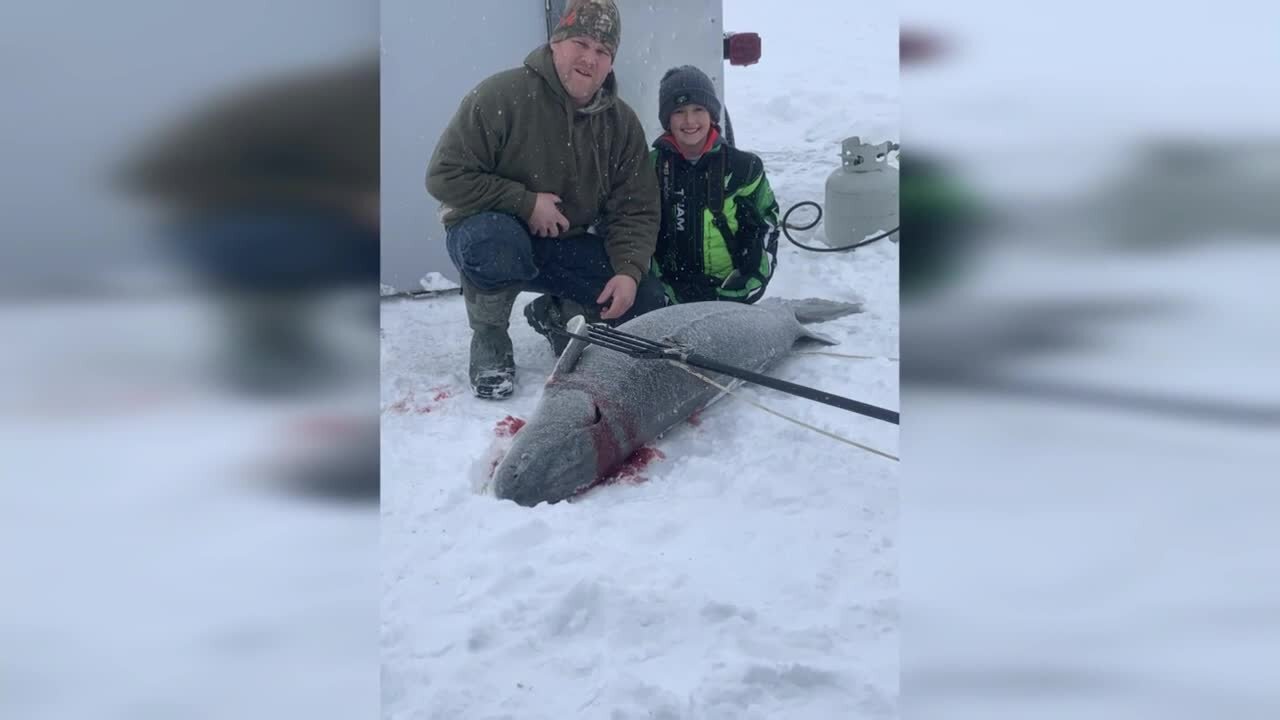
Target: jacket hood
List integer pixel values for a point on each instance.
(541, 62)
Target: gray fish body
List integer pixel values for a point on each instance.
(594, 414)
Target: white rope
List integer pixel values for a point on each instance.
(841, 355)
(819, 430)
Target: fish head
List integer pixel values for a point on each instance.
(554, 455)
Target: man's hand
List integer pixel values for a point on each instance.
(620, 294)
(547, 220)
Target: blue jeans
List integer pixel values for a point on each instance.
(495, 251)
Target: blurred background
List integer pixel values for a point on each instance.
(188, 403)
(188, 518)
(1090, 394)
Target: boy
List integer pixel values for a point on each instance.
(718, 235)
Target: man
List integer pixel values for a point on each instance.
(544, 186)
(719, 230)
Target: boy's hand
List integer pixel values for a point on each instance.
(547, 220)
(620, 294)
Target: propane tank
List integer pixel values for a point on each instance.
(862, 194)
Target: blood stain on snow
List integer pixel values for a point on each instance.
(409, 404)
(629, 471)
(508, 426)
(505, 429)
(402, 405)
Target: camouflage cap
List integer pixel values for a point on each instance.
(597, 19)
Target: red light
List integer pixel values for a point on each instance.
(742, 48)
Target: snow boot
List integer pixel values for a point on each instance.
(547, 314)
(493, 367)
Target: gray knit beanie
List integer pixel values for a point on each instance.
(684, 85)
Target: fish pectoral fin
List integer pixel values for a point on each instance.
(814, 335)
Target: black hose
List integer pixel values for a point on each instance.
(787, 227)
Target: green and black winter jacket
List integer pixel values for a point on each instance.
(697, 251)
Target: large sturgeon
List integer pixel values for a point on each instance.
(600, 405)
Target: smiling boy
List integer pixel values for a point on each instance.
(718, 236)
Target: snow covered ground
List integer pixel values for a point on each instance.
(748, 567)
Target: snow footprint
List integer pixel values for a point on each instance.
(523, 536)
(720, 612)
(575, 611)
(791, 680)
(642, 701)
